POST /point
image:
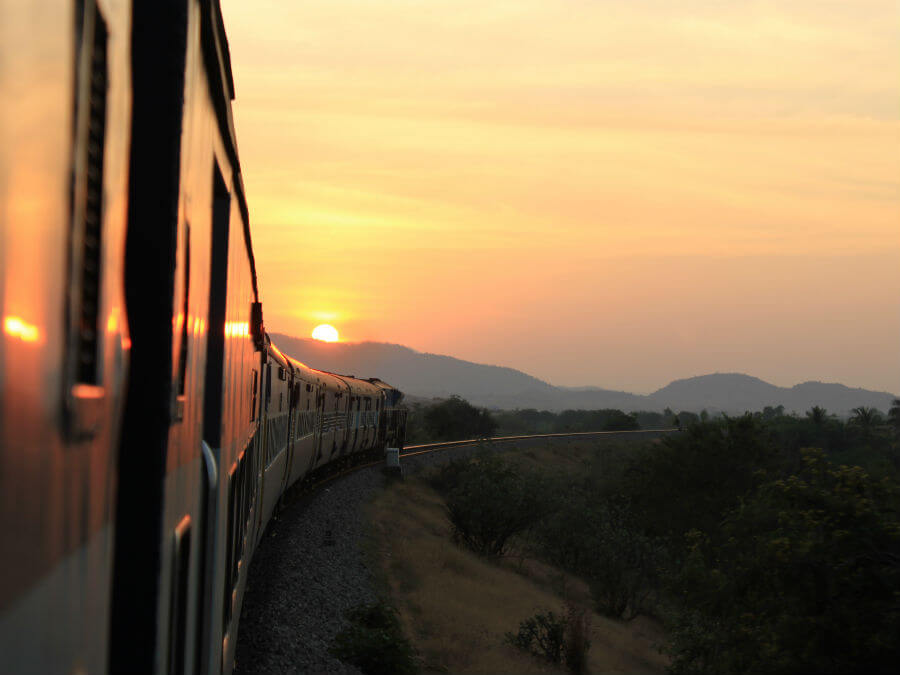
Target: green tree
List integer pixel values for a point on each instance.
(597, 540)
(770, 412)
(865, 420)
(817, 415)
(894, 416)
(690, 479)
(619, 421)
(456, 419)
(489, 501)
(803, 577)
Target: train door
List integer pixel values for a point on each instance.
(146, 537)
(212, 420)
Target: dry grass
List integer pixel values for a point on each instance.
(457, 607)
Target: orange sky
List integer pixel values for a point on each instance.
(597, 192)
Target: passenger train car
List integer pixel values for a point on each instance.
(149, 425)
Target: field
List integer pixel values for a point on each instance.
(457, 607)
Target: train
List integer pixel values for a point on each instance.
(149, 426)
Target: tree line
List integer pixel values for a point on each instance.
(455, 418)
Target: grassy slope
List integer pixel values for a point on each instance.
(456, 607)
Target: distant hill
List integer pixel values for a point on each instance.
(425, 375)
(736, 393)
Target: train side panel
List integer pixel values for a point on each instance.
(305, 423)
(64, 346)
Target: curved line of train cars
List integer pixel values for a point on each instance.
(148, 426)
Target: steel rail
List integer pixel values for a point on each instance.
(412, 450)
(301, 488)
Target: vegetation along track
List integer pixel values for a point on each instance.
(310, 566)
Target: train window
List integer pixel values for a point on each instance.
(282, 373)
(87, 201)
(218, 286)
(83, 347)
(254, 386)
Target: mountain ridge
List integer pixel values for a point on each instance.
(426, 375)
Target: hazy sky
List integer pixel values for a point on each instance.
(597, 192)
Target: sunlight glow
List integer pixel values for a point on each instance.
(237, 329)
(325, 332)
(16, 327)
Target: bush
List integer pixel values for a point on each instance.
(374, 642)
(553, 637)
(626, 566)
(488, 502)
(543, 636)
(597, 541)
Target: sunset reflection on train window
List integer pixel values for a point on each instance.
(19, 328)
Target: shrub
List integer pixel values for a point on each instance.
(488, 502)
(597, 540)
(542, 635)
(374, 642)
(625, 569)
(554, 637)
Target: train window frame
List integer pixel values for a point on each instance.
(213, 392)
(84, 395)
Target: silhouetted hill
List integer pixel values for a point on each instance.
(419, 374)
(722, 391)
(431, 375)
(736, 393)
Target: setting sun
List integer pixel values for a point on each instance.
(326, 333)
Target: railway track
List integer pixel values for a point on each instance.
(315, 482)
(425, 448)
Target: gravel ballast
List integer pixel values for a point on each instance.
(309, 569)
